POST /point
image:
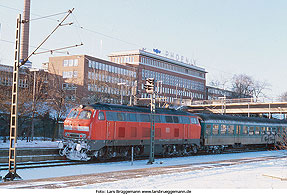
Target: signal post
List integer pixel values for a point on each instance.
(149, 86)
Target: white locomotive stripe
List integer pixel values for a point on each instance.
(83, 128)
(67, 127)
(77, 128)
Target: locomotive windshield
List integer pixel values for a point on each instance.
(85, 114)
(73, 114)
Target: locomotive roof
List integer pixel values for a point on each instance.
(124, 108)
(208, 117)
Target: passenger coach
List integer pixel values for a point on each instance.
(219, 131)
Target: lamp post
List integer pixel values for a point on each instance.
(34, 102)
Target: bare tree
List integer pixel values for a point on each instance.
(243, 85)
(220, 82)
(259, 87)
(38, 93)
(24, 102)
(58, 100)
(283, 97)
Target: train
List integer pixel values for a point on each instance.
(103, 131)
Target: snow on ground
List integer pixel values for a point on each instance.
(31, 144)
(248, 175)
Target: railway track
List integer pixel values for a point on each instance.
(55, 163)
(42, 164)
(96, 178)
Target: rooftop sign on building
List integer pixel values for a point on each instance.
(173, 56)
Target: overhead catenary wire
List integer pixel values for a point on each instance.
(43, 17)
(77, 25)
(26, 59)
(52, 50)
(81, 27)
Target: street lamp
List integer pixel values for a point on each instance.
(121, 84)
(34, 102)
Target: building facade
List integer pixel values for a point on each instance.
(175, 79)
(214, 93)
(6, 77)
(93, 79)
(123, 77)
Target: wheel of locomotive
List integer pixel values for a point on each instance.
(61, 152)
(84, 155)
(194, 149)
(99, 154)
(164, 150)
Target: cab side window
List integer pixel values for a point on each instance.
(101, 116)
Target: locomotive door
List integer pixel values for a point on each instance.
(186, 129)
(101, 125)
(110, 126)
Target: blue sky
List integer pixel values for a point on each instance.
(225, 37)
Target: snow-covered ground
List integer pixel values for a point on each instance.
(247, 175)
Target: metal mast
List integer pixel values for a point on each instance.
(14, 103)
(152, 128)
(149, 86)
(14, 109)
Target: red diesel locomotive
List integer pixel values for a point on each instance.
(105, 131)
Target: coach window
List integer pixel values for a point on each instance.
(230, 129)
(223, 129)
(268, 129)
(101, 116)
(245, 130)
(215, 129)
(263, 129)
(257, 130)
(238, 128)
(251, 131)
(208, 130)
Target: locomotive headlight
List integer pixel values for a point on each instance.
(78, 147)
(60, 145)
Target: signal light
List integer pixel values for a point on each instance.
(149, 85)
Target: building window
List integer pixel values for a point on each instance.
(75, 74)
(66, 63)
